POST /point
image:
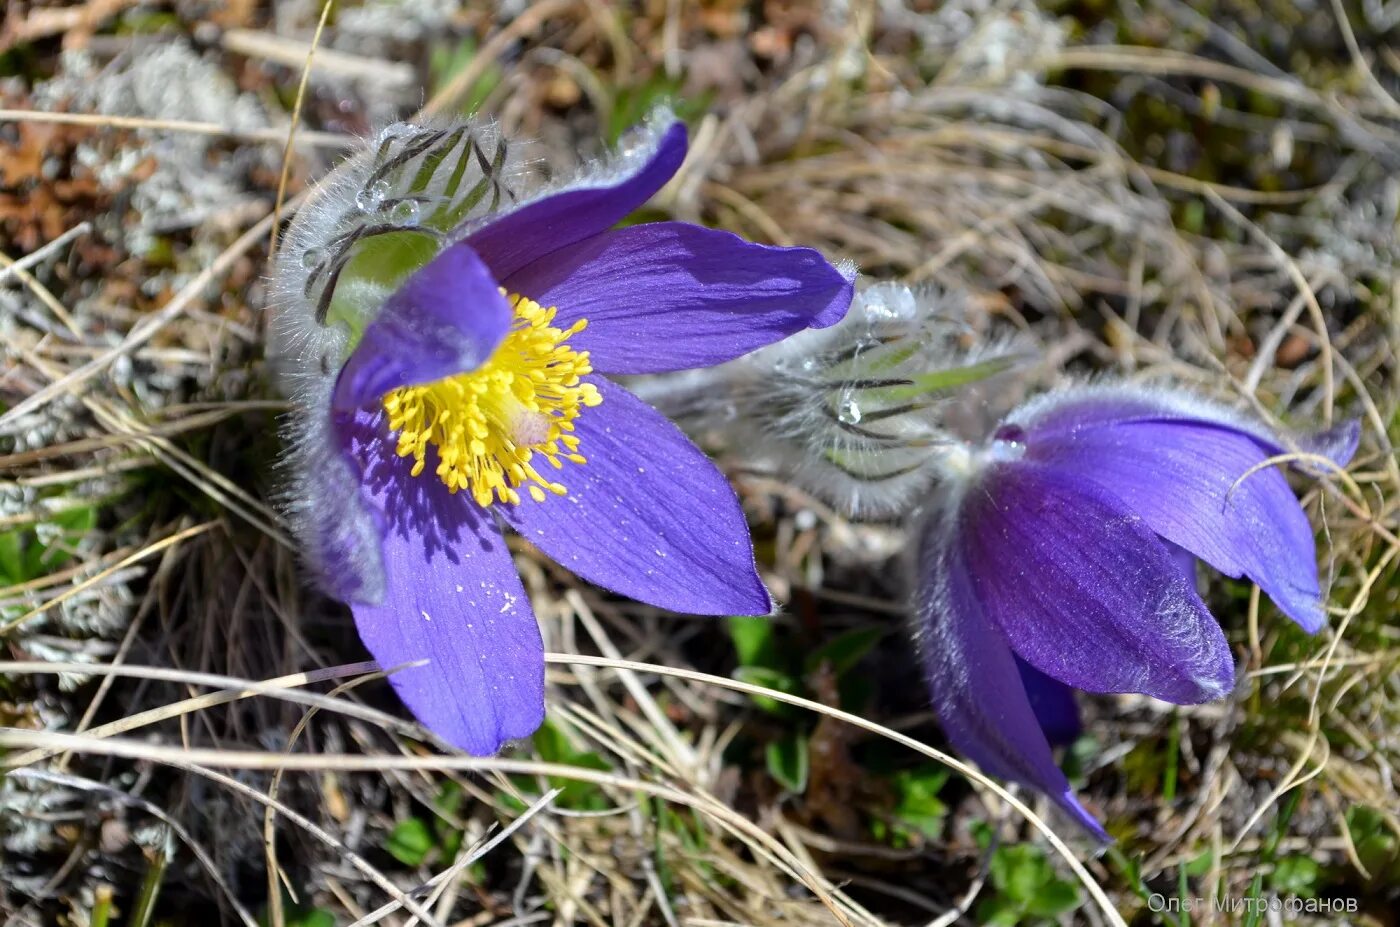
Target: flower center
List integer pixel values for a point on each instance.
(488, 425)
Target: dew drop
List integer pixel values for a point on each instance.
(311, 257)
(369, 198)
(391, 132)
(889, 303)
(405, 213)
(849, 411)
(1008, 443)
(1011, 434)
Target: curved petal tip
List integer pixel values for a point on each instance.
(1081, 816)
(1338, 443)
(445, 319)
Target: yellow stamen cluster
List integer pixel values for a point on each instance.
(488, 425)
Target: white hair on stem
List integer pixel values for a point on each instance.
(850, 412)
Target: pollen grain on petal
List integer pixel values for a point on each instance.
(491, 426)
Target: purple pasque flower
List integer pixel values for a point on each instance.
(473, 398)
(1063, 553)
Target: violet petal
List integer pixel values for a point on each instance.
(557, 220)
(445, 319)
(1070, 410)
(1053, 703)
(452, 597)
(1187, 481)
(1084, 591)
(671, 296)
(977, 689)
(341, 532)
(1338, 443)
(648, 516)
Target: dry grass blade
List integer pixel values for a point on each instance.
(144, 330)
(296, 124)
(467, 859)
(200, 761)
(310, 139)
(257, 761)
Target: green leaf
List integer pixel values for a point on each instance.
(1053, 899)
(449, 800)
(1296, 875)
(753, 640)
(12, 558)
(845, 650)
(919, 808)
(553, 746)
(1019, 871)
(1200, 865)
(1078, 757)
(1364, 821)
(999, 911)
(1376, 846)
(447, 804)
(294, 915)
(377, 265)
(410, 842)
(44, 557)
(1130, 869)
(939, 381)
(789, 762)
(768, 679)
(631, 104)
(312, 917)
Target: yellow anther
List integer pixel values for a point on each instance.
(489, 426)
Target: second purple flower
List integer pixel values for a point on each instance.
(1063, 554)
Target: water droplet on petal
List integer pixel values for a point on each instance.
(1008, 443)
(1011, 434)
